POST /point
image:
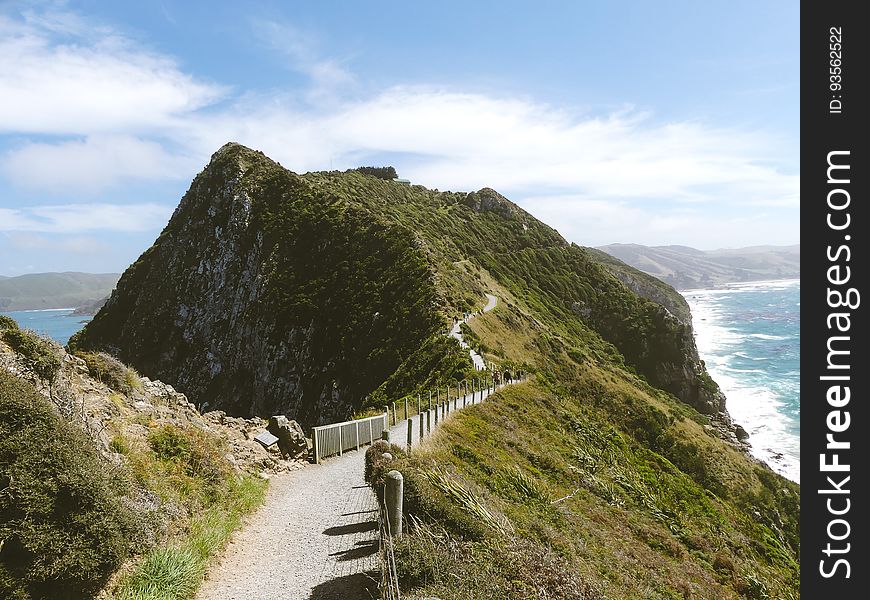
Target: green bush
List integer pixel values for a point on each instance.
(111, 371)
(193, 451)
(7, 322)
(64, 526)
(40, 355)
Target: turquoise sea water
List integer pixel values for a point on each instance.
(57, 323)
(749, 336)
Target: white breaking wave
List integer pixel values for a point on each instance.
(757, 408)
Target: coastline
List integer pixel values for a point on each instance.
(756, 366)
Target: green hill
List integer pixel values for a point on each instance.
(687, 268)
(322, 294)
(37, 291)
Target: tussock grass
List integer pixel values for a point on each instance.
(600, 497)
(467, 500)
(176, 572)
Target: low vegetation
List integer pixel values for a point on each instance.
(540, 485)
(185, 468)
(72, 516)
(39, 355)
(112, 372)
(65, 523)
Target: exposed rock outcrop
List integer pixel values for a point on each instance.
(291, 438)
(262, 296)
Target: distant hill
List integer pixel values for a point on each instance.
(36, 291)
(688, 268)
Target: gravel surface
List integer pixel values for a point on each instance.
(476, 358)
(315, 537)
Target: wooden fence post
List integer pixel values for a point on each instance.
(406, 408)
(410, 433)
(393, 498)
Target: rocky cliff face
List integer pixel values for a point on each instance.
(263, 297)
(685, 375)
(270, 292)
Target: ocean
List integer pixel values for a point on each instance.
(57, 323)
(748, 334)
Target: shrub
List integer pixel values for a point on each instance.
(388, 173)
(64, 525)
(41, 356)
(7, 322)
(111, 371)
(193, 451)
(376, 466)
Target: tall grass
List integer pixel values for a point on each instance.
(176, 572)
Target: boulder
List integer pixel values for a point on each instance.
(291, 438)
(741, 433)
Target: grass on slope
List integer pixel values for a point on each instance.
(593, 512)
(186, 469)
(475, 239)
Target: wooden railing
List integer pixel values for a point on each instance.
(334, 439)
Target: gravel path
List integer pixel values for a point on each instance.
(476, 358)
(316, 535)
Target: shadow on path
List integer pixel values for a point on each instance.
(359, 586)
(362, 550)
(361, 527)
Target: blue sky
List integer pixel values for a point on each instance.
(648, 122)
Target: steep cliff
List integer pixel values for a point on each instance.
(261, 296)
(273, 292)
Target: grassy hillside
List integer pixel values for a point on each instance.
(594, 489)
(109, 483)
(54, 290)
(612, 486)
(481, 240)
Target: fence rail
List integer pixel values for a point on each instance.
(334, 439)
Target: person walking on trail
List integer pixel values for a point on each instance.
(507, 377)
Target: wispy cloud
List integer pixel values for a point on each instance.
(302, 52)
(78, 218)
(96, 109)
(60, 77)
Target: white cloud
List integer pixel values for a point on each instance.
(600, 222)
(60, 78)
(78, 218)
(115, 112)
(92, 164)
(75, 244)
